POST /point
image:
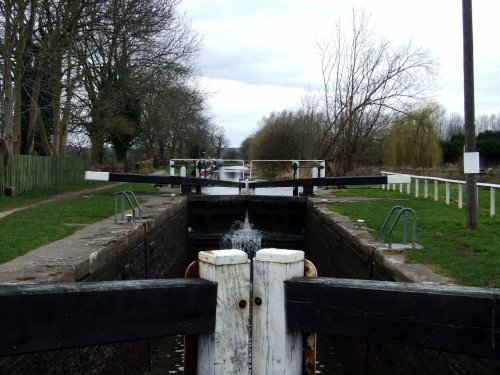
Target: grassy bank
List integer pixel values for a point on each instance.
(37, 195)
(469, 257)
(28, 229)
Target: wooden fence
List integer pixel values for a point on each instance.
(28, 172)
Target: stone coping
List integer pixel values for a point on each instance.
(82, 253)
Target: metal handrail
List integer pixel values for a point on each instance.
(127, 194)
(387, 221)
(403, 210)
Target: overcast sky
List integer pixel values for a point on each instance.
(261, 56)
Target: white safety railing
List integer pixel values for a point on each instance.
(448, 184)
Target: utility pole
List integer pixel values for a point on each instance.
(470, 128)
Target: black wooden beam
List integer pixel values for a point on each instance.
(174, 180)
(194, 181)
(56, 316)
(322, 181)
(456, 319)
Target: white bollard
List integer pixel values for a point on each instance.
(226, 350)
(314, 172)
(322, 170)
(275, 350)
(183, 171)
(172, 168)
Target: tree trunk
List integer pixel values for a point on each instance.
(47, 150)
(56, 102)
(67, 108)
(35, 93)
(18, 103)
(7, 108)
(7, 93)
(97, 149)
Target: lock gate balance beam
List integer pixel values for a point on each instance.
(450, 318)
(41, 317)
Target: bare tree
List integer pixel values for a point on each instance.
(365, 82)
(13, 21)
(487, 122)
(138, 41)
(174, 120)
(451, 124)
(218, 141)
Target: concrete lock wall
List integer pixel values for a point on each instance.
(152, 248)
(339, 249)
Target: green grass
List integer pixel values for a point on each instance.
(28, 229)
(470, 257)
(7, 203)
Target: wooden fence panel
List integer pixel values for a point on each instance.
(28, 172)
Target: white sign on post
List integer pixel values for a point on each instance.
(471, 162)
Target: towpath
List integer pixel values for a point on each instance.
(65, 195)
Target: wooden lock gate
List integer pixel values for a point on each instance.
(251, 330)
(214, 314)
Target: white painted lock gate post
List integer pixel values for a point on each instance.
(226, 350)
(274, 350)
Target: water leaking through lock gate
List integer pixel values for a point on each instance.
(243, 234)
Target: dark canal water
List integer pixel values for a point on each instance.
(168, 357)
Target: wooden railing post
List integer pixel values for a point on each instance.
(225, 351)
(460, 196)
(447, 193)
(275, 349)
(492, 202)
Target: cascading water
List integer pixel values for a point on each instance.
(243, 237)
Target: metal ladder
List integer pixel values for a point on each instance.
(136, 210)
(402, 211)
